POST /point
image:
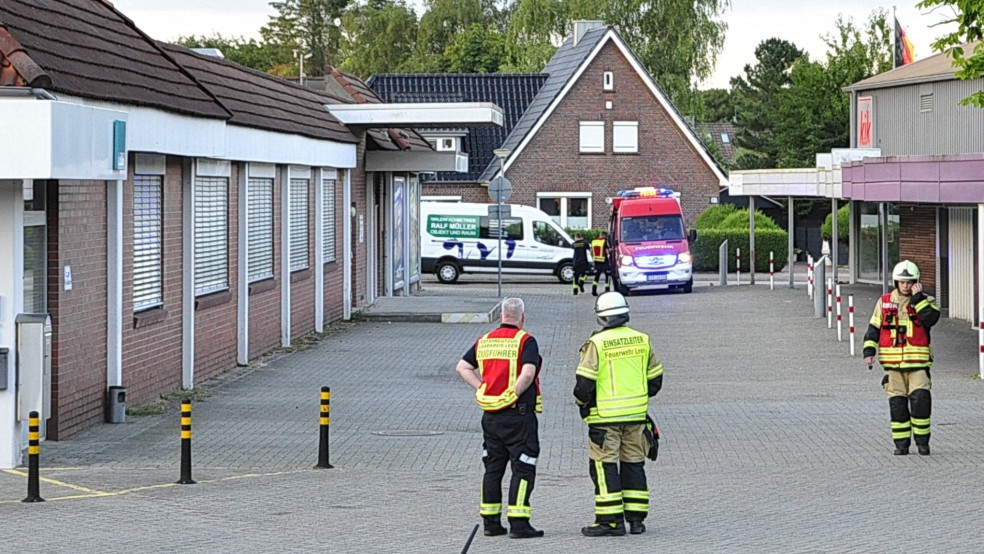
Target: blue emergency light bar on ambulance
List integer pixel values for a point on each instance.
(648, 246)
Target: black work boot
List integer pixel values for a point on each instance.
(901, 447)
(594, 290)
(493, 527)
(523, 530)
(575, 291)
(616, 529)
(637, 527)
(923, 448)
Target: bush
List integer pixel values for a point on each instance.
(727, 223)
(705, 250)
(712, 217)
(588, 234)
(843, 222)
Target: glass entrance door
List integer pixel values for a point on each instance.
(35, 249)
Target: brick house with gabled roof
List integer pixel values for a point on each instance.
(174, 214)
(599, 123)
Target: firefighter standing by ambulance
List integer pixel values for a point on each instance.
(582, 263)
(503, 367)
(899, 330)
(598, 248)
(616, 375)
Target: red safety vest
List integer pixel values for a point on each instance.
(905, 350)
(598, 249)
(498, 353)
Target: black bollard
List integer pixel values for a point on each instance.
(325, 415)
(186, 444)
(33, 453)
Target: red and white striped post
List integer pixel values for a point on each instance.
(738, 270)
(850, 320)
(772, 270)
(809, 276)
(830, 303)
(839, 319)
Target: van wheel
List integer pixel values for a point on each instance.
(566, 273)
(622, 289)
(448, 272)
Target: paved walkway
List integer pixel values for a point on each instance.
(775, 440)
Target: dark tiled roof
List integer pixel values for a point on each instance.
(262, 101)
(88, 49)
(561, 67)
(385, 139)
(512, 92)
(715, 132)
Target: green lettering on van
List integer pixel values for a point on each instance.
(458, 226)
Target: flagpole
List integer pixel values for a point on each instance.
(895, 32)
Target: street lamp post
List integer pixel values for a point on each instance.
(502, 154)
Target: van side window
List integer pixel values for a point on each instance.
(512, 228)
(544, 233)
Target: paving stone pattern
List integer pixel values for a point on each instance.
(774, 440)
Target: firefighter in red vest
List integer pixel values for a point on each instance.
(600, 263)
(899, 331)
(503, 367)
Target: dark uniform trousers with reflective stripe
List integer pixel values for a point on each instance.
(621, 489)
(511, 436)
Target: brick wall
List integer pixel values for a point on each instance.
(468, 192)
(334, 299)
(264, 296)
(152, 339)
(551, 162)
(917, 242)
(77, 235)
(360, 250)
(216, 321)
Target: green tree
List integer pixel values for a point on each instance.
(755, 97)
(258, 55)
(813, 112)
(969, 17)
(531, 33)
(309, 27)
(443, 21)
(479, 49)
(377, 37)
(716, 106)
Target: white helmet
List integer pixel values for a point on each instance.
(611, 303)
(905, 271)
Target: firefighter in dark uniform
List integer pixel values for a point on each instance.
(503, 367)
(582, 265)
(600, 263)
(613, 402)
(899, 330)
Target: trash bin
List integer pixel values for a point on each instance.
(116, 407)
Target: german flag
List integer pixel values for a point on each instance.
(904, 51)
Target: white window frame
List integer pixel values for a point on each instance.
(608, 80)
(564, 197)
(625, 137)
(211, 234)
(148, 226)
(300, 234)
(592, 137)
(260, 200)
(328, 218)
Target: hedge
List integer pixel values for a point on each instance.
(705, 250)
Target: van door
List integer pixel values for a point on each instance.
(549, 245)
(485, 251)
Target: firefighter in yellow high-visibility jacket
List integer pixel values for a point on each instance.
(899, 330)
(613, 403)
(598, 251)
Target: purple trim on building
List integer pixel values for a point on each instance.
(953, 179)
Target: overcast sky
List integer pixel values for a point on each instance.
(749, 22)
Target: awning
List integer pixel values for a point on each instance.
(419, 116)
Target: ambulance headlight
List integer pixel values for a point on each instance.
(684, 258)
(625, 260)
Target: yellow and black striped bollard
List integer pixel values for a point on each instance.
(186, 444)
(325, 415)
(33, 453)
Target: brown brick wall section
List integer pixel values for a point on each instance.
(917, 242)
(333, 270)
(152, 353)
(302, 291)
(551, 162)
(264, 307)
(216, 327)
(359, 249)
(77, 235)
(469, 193)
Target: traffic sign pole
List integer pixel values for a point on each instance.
(500, 189)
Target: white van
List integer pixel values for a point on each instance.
(460, 237)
